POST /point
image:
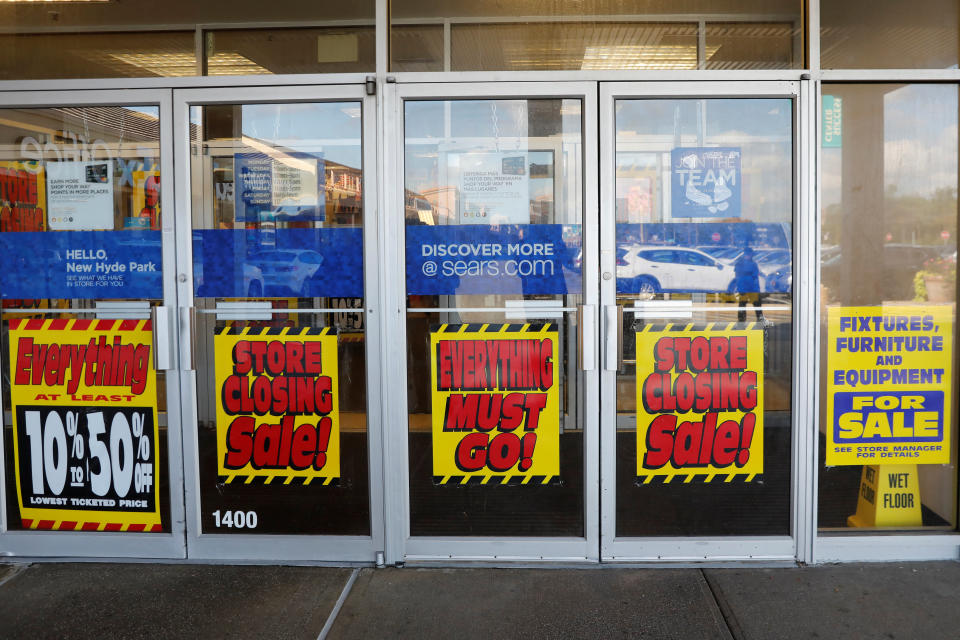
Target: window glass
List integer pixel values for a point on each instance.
(416, 47)
(862, 34)
(753, 45)
(259, 51)
(888, 295)
(97, 55)
(133, 39)
(607, 34)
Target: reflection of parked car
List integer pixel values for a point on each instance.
(768, 261)
(286, 271)
(779, 281)
(654, 269)
(893, 280)
(722, 252)
(252, 281)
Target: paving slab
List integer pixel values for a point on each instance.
(168, 601)
(916, 600)
(7, 571)
(529, 603)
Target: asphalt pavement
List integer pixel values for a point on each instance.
(88, 600)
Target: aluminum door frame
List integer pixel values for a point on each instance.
(36, 544)
(767, 549)
(401, 547)
(280, 548)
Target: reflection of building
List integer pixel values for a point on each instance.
(344, 189)
(419, 210)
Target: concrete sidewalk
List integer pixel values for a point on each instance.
(199, 601)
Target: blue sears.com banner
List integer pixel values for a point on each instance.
(286, 188)
(237, 263)
(81, 264)
(500, 259)
(705, 182)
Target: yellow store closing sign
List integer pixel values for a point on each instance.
(700, 401)
(889, 385)
(84, 396)
(496, 403)
(278, 416)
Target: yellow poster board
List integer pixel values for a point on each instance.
(889, 384)
(278, 407)
(496, 403)
(23, 196)
(700, 401)
(85, 434)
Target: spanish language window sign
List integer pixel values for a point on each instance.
(23, 196)
(468, 259)
(700, 401)
(889, 384)
(80, 195)
(494, 188)
(496, 403)
(287, 186)
(84, 403)
(81, 264)
(705, 182)
(832, 125)
(278, 416)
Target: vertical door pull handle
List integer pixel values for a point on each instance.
(160, 330)
(613, 347)
(586, 337)
(188, 325)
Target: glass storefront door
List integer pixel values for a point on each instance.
(91, 444)
(278, 313)
(494, 356)
(699, 205)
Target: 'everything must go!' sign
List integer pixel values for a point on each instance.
(496, 403)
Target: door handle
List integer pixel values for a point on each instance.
(160, 329)
(188, 317)
(613, 347)
(586, 338)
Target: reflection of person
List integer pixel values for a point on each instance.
(746, 282)
(151, 197)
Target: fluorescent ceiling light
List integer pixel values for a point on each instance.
(641, 56)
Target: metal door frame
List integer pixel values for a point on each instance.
(768, 549)
(400, 545)
(60, 544)
(278, 547)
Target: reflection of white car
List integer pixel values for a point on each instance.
(655, 269)
(287, 270)
(768, 261)
(252, 281)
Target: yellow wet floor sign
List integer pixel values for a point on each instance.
(889, 497)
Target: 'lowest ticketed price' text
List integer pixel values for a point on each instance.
(699, 402)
